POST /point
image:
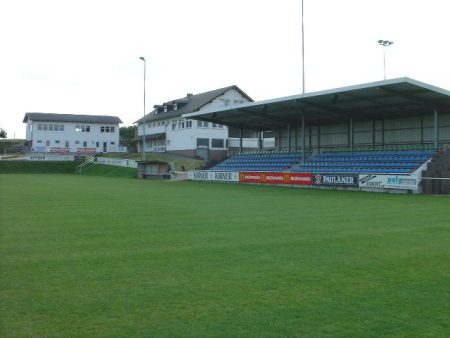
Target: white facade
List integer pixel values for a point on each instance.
(59, 136)
(177, 134)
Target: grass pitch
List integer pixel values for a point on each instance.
(89, 256)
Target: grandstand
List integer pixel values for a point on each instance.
(398, 127)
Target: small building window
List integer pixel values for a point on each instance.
(217, 143)
(202, 142)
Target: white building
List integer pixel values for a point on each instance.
(167, 131)
(67, 133)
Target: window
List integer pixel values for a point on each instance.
(77, 142)
(174, 124)
(238, 101)
(56, 141)
(189, 124)
(202, 142)
(47, 143)
(85, 144)
(56, 127)
(217, 143)
(39, 141)
(44, 127)
(175, 106)
(106, 129)
(66, 144)
(77, 129)
(61, 127)
(214, 125)
(113, 143)
(50, 127)
(97, 144)
(220, 125)
(39, 126)
(224, 102)
(199, 123)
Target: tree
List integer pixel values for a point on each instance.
(3, 133)
(127, 135)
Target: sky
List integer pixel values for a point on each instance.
(82, 57)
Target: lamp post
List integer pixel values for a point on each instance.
(143, 125)
(384, 43)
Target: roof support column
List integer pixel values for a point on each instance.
(318, 139)
(289, 137)
(350, 134)
(279, 140)
(373, 134)
(260, 140)
(382, 134)
(421, 129)
(435, 129)
(240, 141)
(303, 138)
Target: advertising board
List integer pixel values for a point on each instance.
(275, 178)
(86, 150)
(407, 182)
(342, 180)
(218, 176)
(50, 157)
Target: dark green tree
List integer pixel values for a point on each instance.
(127, 135)
(3, 133)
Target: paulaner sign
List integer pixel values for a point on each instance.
(206, 175)
(335, 180)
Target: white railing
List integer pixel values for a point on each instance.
(120, 162)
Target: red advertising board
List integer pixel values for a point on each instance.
(275, 178)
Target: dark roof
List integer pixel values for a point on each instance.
(47, 117)
(377, 100)
(190, 103)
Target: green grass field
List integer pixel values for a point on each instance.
(85, 256)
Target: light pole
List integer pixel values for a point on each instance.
(303, 54)
(143, 125)
(384, 43)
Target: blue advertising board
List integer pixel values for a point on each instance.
(346, 180)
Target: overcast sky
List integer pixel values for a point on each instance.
(82, 57)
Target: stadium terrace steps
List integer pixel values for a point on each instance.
(260, 162)
(370, 162)
(437, 174)
(366, 162)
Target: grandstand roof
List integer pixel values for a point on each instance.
(377, 100)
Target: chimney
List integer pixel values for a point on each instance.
(189, 94)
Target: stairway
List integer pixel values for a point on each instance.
(436, 178)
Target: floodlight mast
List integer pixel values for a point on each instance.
(384, 43)
(303, 52)
(143, 124)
